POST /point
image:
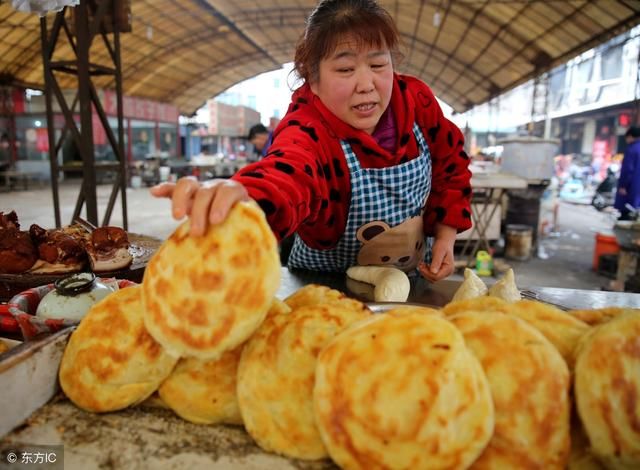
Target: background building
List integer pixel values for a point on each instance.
(587, 103)
(150, 129)
(268, 93)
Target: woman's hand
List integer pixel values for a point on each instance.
(442, 262)
(205, 203)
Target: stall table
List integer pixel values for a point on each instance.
(488, 189)
(11, 178)
(151, 437)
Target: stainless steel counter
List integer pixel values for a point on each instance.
(440, 293)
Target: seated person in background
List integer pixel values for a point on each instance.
(260, 137)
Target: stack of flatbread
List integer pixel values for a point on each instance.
(488, 382)
(600, 349)
(181, 332)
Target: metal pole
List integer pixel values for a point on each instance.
(48, 79)
(547, 107)
(124, 177)
(86, 121)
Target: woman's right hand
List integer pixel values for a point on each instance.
(205, 203)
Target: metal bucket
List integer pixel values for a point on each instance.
(628, 234)
(518, 242)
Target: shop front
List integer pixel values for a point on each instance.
(150, 130)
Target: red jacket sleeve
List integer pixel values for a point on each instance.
(450, 200)
(294, 187)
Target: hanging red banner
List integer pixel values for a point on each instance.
(42, 140)
(99, 134)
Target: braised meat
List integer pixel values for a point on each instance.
(17, 252)
(56, 251)
(106, 239)
(9, 220)
(109, 249)
(57, 247)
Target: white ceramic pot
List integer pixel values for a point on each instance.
(73, 296)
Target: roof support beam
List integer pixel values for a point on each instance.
(87, 98)
(214, 12)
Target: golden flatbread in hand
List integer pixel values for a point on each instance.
(111, 362)
(607, 390)
(597, 316)
(564, 331)
(3, 347)
(276, 377)
(204, 392)
(484, 303)
(529, 383)
(402, 392)
(206, 295)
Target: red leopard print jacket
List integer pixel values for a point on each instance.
(303, 183)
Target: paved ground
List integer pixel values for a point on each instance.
(564, 260)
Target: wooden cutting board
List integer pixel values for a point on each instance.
(142, 247)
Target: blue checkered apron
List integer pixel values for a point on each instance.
(391, 194)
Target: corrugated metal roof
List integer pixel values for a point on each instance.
(185, 51)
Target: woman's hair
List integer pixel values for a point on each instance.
(365, 20)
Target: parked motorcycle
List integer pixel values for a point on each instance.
(605, 194)
(602, 200)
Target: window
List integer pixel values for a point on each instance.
(611, 63)
(168, 139)
(143, 140)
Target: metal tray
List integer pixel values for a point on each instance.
(29, 377)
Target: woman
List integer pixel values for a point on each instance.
(362, 167)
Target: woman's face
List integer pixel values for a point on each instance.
(355, 83)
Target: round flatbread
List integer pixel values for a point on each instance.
(484, 303)
(597, 316)
(276, 377)
(563, 330)
(401, 392)
(111, 362)
(206, 295)
(530, 387)
(316, 294)
(204, 392)
(607, 390)
(414, 309)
